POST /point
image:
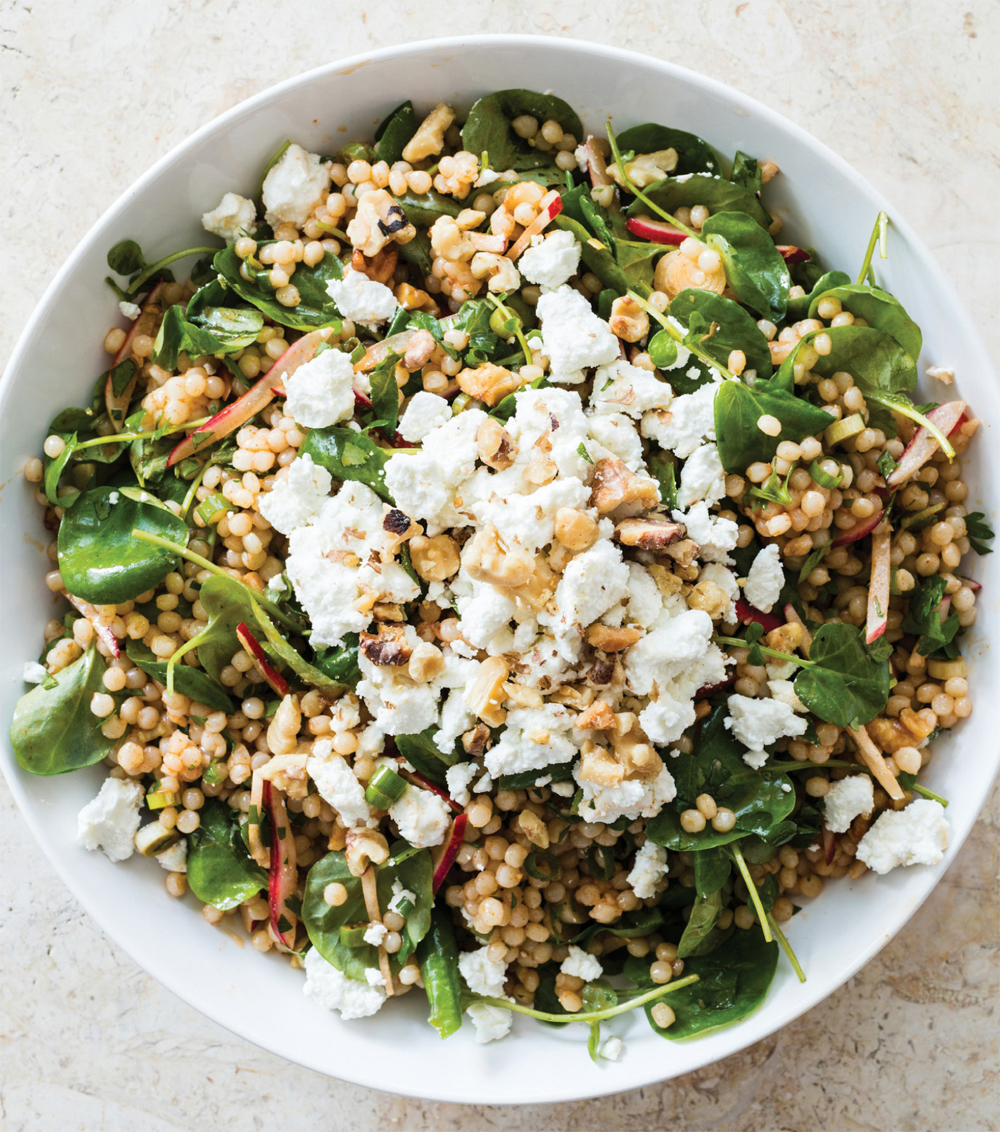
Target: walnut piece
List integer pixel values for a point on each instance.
(654, 532)
(429, 138)
(488, 383)
(614, 485)
(387, 647)
(486, 560)
(435, 559)
(486, 694)
(628, 320)
(612, 638)
(379, 268)
(598, 717)
(494, 445)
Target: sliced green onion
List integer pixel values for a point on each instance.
(154, 838)
(209, 508)
(159, 799)
(215, 773)
(824, 479)
(534, 861)
(353, 935)
(842, 430)
(384, 787)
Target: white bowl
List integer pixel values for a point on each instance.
(827, 205)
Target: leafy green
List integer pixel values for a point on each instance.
(847, 682)
(276, 644)
(525, 780)
(879, 309)
(191, 682)
(746, 172)
(923, 616)
(721, 326)
(223, 330)
(323, 921)
(315, 308)
(979, 532)
(340, 664)
(702, 935)
(663, 468)
(474, 318)
(393, 134)
(349, 455)
(693, 154)
(714, 193)
(596, 256)
(808, 275)
(754, 267)
(422, 209)
(126, 257)
(226, 604)
(53, 730)
(220, 872)
(385, 393)
(424, 755)
(99, 560)
(488, 127)
(437, 954)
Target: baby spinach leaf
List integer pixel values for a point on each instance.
(716, 194)
(424, 755)
(99, 560)
(753, 265)
(701, 934)
(394, 132)
(559, 772)
(225, 330)
(879, 309)
(191, 682)
(220, 872)
(663, 468)
(847, 682)
(323, 921)
(437, 954)
(349, 455)
(798, 308)
(746, 172)
(385, 393)
(340, 664)
(488, 127)
(53, 729)
(226, 603)
(276, 644)
(712, 868)
(721, 326)
(693, 154)
(315, 308)
(422, 209)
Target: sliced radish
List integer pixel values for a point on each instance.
(549, 206)
(117, 403)
(878, 586)
(710, 689)
(101, 628)
(597, 167)
(746, 613)
(656, 231)
(859, 530)
(256, 398)
(283, 876)
(381, 350)
(278, 683)
(417, 779)
(362, 399)
(871, 756)
(791, 254)
(444, 855)
(792, 614)
(487, 242)
(948, 417)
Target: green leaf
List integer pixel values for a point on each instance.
(276, 644)
(217, 331)
(385, 392)
(488, 127)
(663, 468)
(316, 306)
(437, 954)
(847, 682)
(226, 604)
(323, 921)
(525, 780)
(714, 193)
(754, 267)
(746, 172)
(422, 209)
(220, 872)
(349, 455)
(99, 560)
(126, 257)
(879, 309)
(979, 532)
(721, 326)
(393, 134)
(340, 664)
(596, 256)
(424, 755)
(191, 682)
(805, 275)
(53, 730)
(701, 934)
(693, 154)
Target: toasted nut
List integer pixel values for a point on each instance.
(907, 731)
(614, 485)
(486, 561)
(411, 298)
(419, 351)
(677, 272)
(654, 532)
(283, 730)
(628, 320)
(632, 749)
(502, 274)
(388, 647)
(768, 171)
(683, 552)
(426, 662)
(611, 638)
(378, 221)
(666, 580)
(598, 717)
(577, 696)
(474, 742)
(786, 638)
(364, 846)
(435, 559)
(388, 611)
(495, 447)
(520, 696)
(485, 695)
(541, 470)
(575, 529)
(534, 829)
(488, 383)
(429, 138)
(645, 168)
(599, 766)
(379, 267)
(602, 672)
(710, 598)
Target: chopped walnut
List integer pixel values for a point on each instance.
(599, 766)
(378, 221)
(598, 717)
(523, 697)
(710, 598)
(429, 138)
(364, 846)
(388, 611)
(533, 828)
(475, 742)
(684, 553)
(502, 274)
(615, 485)
(907, 731)
(602, 672)
(768, 171)
(628, 320)
(485, 560)
(426, 662)
(494, 445)
(388, 647)
(541, 470)
(612, 638)
(379, 268)
(486, 694)
(419, 351)
(488, 383)
(576, 530)
(666, 580)
(411, 298)
(633, 749)
(435, 559)
(654, 532)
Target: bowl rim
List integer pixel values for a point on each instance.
(806, 999)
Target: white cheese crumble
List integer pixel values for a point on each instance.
(765, 579)
(232, 217)
(552, 262)
(421, 817)
(631, 798)
(33, 672)
(714, 535)
(130, 310)
(321, 392)
(174, 858)
(399, 895)
(846, 800)
(582, 964)
(702, 477)
(296, 183)
(491, 1022)
(760, 723)
(362, 299)
(374, 977)
(424, 413)
(620, 387)
(482, 974)
(338, 785)
(375, 933)
(917, 835)
(110, 820)
(575, 338)
(612, 1049)
(334, 990)
(459, 779)
(649, 870)
(591, 584)
(533, 738)
(686, 424)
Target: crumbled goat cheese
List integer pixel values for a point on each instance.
(649, 870)
(527, 520)
(591, 584)
(130, 310)
(760, 723)
(702, 477)
(532, 739)
(612, 1049)
(232, 217)
(582, 964)
(174, 858)
(34, 673)
(492, 1022)
(551, 422)
(375, 933)
(459, 779)
(846, 800)
(334, 990)
(362, 299)
(686, 424)
(575, 338)
(297, 496)
(482, 974)
(715, 536)
(765, 579)
(725, 579)
(644, 601)
(374, 977)
(454, 721)
(400, 895)
(338, 785)
(110, 820)
(421, 817)
(296, 183)
(672, 645)
(917, 835)
(425, 412)
(617, 436)
(632, 798)
(784, 692)
(551, 262)
(620, 387)
(321, 392)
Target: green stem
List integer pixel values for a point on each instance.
(153, 268)
(195, 484)
(148, 434)
(925, 793)
(680, 338)
(204, 563)
(639, 194)
(593, 1015)
(786, 947)
(175, 657)
(879, 236)
(332, 230)
(518, 332)
(741, 644)
(905, 409)
(752, 889)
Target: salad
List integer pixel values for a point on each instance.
(501, 570)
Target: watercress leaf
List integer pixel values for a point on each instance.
(385, 392)
(99, 560)
(424, 755)
(847, 683)
(693, 154)
(315, 307)
(276, 644)
(393, 134)
(712, 868)
(191, 682)
(713, 193)
(738, 407)
(53, 730)
(221, 330)
(323, 921)
(746, 172)
(979, 532)
(226, 603)
(54, 469)
(340, 664)
(754, 267)
(474, 318)
(722, 326)
(816, 282)
(126, 257)
(220, 872)
(663, 468)
(525, 780)
(879, 309)
(488, 127)
(437, 955)
(349, 455)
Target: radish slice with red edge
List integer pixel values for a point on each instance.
(948, 417)
(117, 403)
(549, 206)
(656, 231)
(278, 683)
(859, 530)
(101, 628)
(878, 586)
(746, 613)
(710, 689)
(444, 855)
(791, 254)
(283, 876)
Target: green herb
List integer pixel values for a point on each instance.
(340, 664)
(349, 455)
(226, 330)
(394, 132)
(693, 154)
(488, 127)
(813, 560)
(754, 267)
(126, 258)
(279, 647)
(979, 532)
(191, 682)
(720, 326)
(220, 871)
(385, 392)
(713, 193)
(923, 617)
(424, 755)
(879, 235)
(315, 307)
(746, 172)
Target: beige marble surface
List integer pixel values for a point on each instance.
(93, 91)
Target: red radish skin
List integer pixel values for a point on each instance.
(656, 231)
(117, 404)
(283, 876)
(746, 613)
(549, 206)
(878, 586)
(707, 690)
(278, 683)
(103, 631)
(256, 398)
(417, 779)
(446, 853)
(948, 417)
(859, 530)
(791, 254)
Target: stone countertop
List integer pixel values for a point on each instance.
(907, 91)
